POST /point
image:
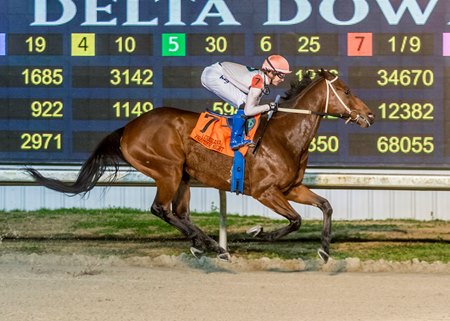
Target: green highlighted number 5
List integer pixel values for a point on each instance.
(173, 44)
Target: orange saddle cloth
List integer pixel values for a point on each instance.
(213, 132)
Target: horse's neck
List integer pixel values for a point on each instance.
(312, 97)
(302, 128)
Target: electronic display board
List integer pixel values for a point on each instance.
(73, 71)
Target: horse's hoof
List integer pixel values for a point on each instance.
(196, 252)
(323, 255)
(255, 230)
(226, 257)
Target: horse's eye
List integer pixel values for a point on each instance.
(347, 91)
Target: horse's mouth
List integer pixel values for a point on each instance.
(366, 122)
(363, 121)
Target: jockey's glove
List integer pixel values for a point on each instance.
(273, 106)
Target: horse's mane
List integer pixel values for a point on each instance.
(297, 86)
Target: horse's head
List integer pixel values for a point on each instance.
(340, 100)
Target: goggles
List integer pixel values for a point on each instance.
(279, 74)
(275, 72)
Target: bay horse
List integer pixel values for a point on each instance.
(157, 144)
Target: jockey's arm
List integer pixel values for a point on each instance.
(252, 106)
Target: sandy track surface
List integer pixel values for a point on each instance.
(49, 287)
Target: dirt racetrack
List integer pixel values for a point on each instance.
(50, 287)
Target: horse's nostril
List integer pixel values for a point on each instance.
(371, 117)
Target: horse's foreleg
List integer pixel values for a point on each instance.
(302, 194)
(274, 199)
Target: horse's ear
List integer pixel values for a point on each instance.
(322, 73)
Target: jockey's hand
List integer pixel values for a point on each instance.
(273, 106)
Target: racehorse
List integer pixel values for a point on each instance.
(157, 144)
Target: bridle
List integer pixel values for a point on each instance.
(347, 116)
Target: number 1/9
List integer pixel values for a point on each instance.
(405, 43)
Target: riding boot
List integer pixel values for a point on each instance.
(237, 131)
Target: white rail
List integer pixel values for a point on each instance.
(314, 178)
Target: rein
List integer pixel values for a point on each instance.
(311, 112)
(347, 116)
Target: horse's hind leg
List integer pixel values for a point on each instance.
(166, 187)
(180, 207)
(161, 208)
(302, 194)
(169, 202)
(164, 164)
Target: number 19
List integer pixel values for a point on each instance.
(36, 44)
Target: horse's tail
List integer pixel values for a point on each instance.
(106, 154)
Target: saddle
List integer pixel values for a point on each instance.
(214, 132)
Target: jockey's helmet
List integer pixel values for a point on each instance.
(276, 63)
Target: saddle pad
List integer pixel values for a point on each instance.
(212, 131)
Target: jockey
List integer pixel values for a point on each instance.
(242, 87)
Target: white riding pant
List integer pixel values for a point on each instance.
(213, 79)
